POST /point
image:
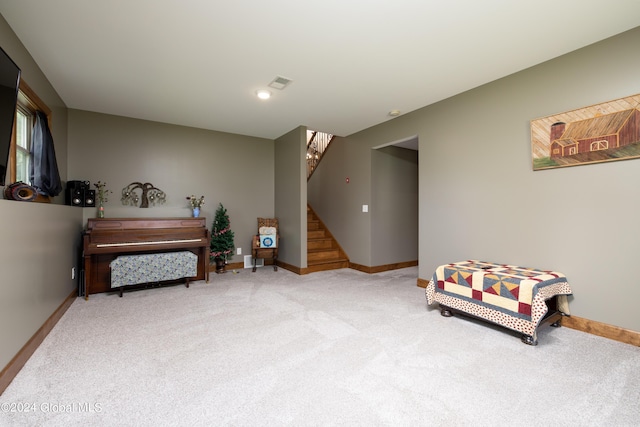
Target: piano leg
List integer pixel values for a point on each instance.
(87, 279)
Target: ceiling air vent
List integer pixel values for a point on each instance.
(280, 82)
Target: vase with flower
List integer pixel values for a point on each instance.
(101, 196)
(196, 203)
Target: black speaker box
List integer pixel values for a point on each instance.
(78, 185)
(89, 198)
(74, 197)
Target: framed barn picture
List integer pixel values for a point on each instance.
(600, 133)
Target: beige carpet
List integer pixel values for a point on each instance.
(331, 348)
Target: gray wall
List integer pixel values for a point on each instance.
(291, 196)
(478, 195)
(480, 198)
(338, 203)
(478, 181)
(394, 205)
(234, 170)
(38, 241)
(39, 248)
(385, 179)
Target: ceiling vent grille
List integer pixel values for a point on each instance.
(280, 82)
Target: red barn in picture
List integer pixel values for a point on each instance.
(608, 131)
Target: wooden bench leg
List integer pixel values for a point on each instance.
(445, 311)
(530, 339)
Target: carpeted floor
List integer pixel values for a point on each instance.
(331, 348)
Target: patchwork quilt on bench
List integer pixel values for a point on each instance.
(508, 295)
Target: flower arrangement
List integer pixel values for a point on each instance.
(195, 202)
(102, 193)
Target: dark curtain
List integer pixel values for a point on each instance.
(44, 168)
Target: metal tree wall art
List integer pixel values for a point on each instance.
(148, 194)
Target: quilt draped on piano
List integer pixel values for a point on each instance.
(151, 268)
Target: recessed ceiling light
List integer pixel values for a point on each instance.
(394, 113)
(263, 94)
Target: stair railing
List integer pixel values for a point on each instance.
(317, 143)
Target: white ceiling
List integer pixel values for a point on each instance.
(199, 62)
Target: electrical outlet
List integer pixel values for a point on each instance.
(73, 273)
(238, 251)
(365, 208)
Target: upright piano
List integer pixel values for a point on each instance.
(106, 238)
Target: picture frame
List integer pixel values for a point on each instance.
(604, 132)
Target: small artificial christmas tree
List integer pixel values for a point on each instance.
(221, 239)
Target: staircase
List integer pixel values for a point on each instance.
(323, 251)
(317, 143)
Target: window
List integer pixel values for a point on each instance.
(28, 104)
(599, 145)
(24, 124)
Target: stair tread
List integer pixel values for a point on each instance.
(327, 261)
(339, 257)
(324, 252)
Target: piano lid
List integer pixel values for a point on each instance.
(98, 224)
